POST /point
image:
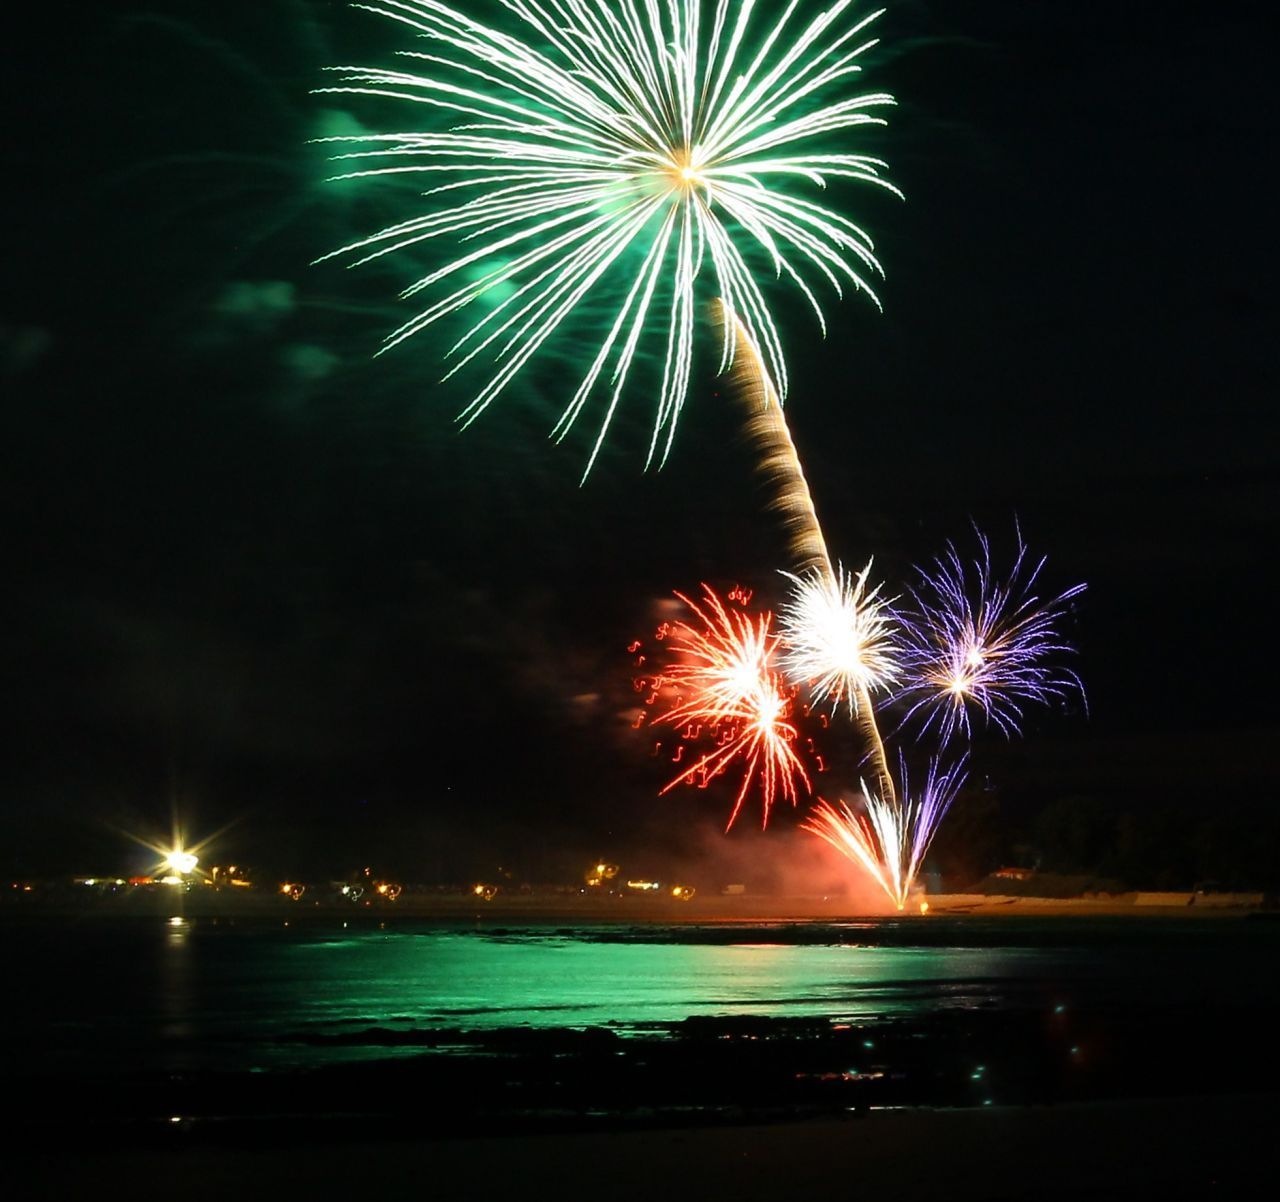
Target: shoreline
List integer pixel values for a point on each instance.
(168, 904)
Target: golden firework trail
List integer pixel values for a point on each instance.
(779, 465)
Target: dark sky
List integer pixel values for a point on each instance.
(257, 576)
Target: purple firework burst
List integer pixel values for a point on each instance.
(973, 644)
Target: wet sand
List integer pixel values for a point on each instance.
(1171, 1149)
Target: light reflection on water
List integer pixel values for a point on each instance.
(554, 982)
(200, 995)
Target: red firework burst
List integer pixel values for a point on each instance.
(728, 692)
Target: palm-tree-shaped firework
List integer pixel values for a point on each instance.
(627, 149)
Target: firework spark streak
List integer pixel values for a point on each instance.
(975, 643)
(728, 687)
(626, 142)
(886, 838)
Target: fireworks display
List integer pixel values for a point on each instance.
(966, 640)
(621, 161)
(729, 693)
(970, 640)
(890, 838)
(975, 644)
(619, 149)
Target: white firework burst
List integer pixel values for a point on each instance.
(838, 636)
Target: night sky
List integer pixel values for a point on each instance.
(257, 577)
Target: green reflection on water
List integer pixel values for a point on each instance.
(479, 982)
